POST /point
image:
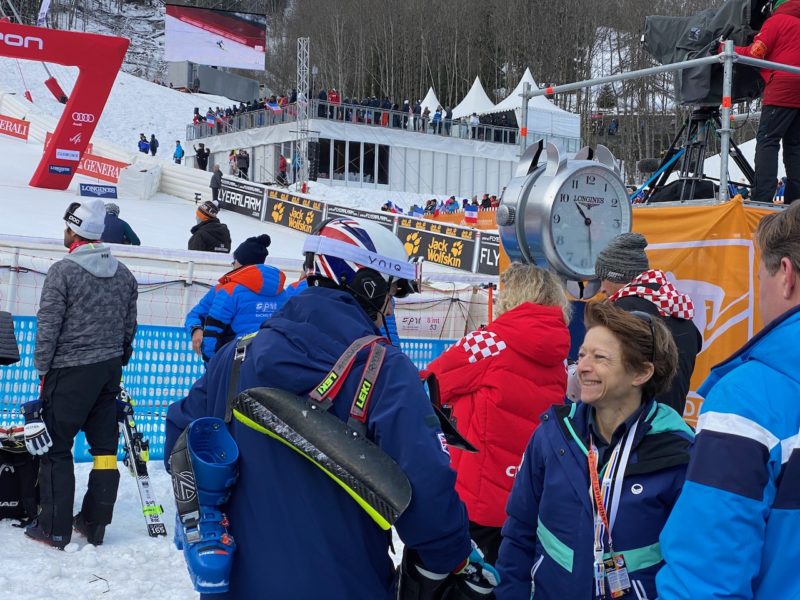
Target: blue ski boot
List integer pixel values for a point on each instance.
(203, 465)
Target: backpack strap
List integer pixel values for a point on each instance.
(233, 384)
(324, 393)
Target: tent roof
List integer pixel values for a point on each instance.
(514, 100)
(476, 101)
(430, 101)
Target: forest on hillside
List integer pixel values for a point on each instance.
(398, 50)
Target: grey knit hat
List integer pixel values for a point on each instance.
(623, 258)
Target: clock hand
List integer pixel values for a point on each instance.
(586, 220)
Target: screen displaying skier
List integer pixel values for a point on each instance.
(215, 37)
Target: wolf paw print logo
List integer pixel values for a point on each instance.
(412, 243)
(277, 213)
(309, 218)
(457, 249)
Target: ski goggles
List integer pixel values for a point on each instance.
(69, 215)
(407, 273)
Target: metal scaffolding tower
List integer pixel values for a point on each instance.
(303, 94)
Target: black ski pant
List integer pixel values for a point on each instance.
(488, 540)
(778, 124)
(80, 398)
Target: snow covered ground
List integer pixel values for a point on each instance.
(128, 565)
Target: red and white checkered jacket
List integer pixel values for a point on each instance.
(669, 301)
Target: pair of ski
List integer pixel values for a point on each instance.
(135, 457)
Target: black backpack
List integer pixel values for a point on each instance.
(19, 492)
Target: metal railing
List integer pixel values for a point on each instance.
(727, 57)
(362, 115)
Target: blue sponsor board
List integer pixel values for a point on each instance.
(59, 169)
(98, 191)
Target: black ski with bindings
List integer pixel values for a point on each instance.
(135, 458)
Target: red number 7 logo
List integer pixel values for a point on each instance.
(98, 58)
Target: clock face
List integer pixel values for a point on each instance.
(590, 208)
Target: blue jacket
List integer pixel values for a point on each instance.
(197, 316)
(549, 530)
(298, 534)
(178, 152)
(144, 146)
(734, 532)
(243, 299)
(117, 231)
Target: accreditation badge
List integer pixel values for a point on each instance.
(619, 583)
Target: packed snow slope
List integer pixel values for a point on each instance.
(135, 105)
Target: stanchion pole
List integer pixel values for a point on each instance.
(728, 55)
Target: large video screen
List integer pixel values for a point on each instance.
(215, 37)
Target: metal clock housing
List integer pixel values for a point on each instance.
(561, 212)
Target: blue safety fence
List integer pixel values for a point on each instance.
(162, 370)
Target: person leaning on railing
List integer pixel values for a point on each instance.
(778, 41)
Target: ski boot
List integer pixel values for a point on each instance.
(203, 465)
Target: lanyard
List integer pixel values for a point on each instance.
(605, 499)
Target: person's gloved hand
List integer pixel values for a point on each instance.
(479, 576)
(37, 439)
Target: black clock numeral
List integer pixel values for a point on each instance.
(574, 184)
(617, 223)
(556, 218)
(590, 179)
(605, 187)
(563, 197)
(614, 202)
(584, 262)
(559, 240)
(570, 256)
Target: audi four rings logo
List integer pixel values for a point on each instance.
(82, 117)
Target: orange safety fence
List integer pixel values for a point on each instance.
(486, 218)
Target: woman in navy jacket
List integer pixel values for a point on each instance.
(554, 541)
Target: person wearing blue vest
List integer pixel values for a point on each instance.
(734, 530)
(297, 533)
(599, 477)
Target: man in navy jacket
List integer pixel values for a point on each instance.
(298, 534)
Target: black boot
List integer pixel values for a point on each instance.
(92, 532)
(35, 532)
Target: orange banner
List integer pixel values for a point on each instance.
(14, 127)
(708, 252)
(100, 168)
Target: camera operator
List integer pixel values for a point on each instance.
(778, 41)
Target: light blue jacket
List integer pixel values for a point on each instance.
(735, 531)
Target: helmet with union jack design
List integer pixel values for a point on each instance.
(363, 258)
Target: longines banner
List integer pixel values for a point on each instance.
(301, 214)
(441, 244)
(385, 219)
(241, 197)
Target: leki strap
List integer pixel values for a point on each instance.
(358, 409)
(326, 390)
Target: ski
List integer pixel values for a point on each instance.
(136, 455)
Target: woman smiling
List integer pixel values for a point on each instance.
(599, 478)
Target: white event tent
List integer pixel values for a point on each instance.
(431, 102)
(543, 115)
(476, 101)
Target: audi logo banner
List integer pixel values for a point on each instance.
(98, 59)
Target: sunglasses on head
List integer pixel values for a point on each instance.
(649, 319)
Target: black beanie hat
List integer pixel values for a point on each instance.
(623, 259)
(253, 251)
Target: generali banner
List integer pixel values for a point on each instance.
(89, 164)
(14, 127)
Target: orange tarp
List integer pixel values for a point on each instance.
(486, 219)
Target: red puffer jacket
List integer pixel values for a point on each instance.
(499, 381)
(779, 41)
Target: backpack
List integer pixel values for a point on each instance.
(19, 491)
